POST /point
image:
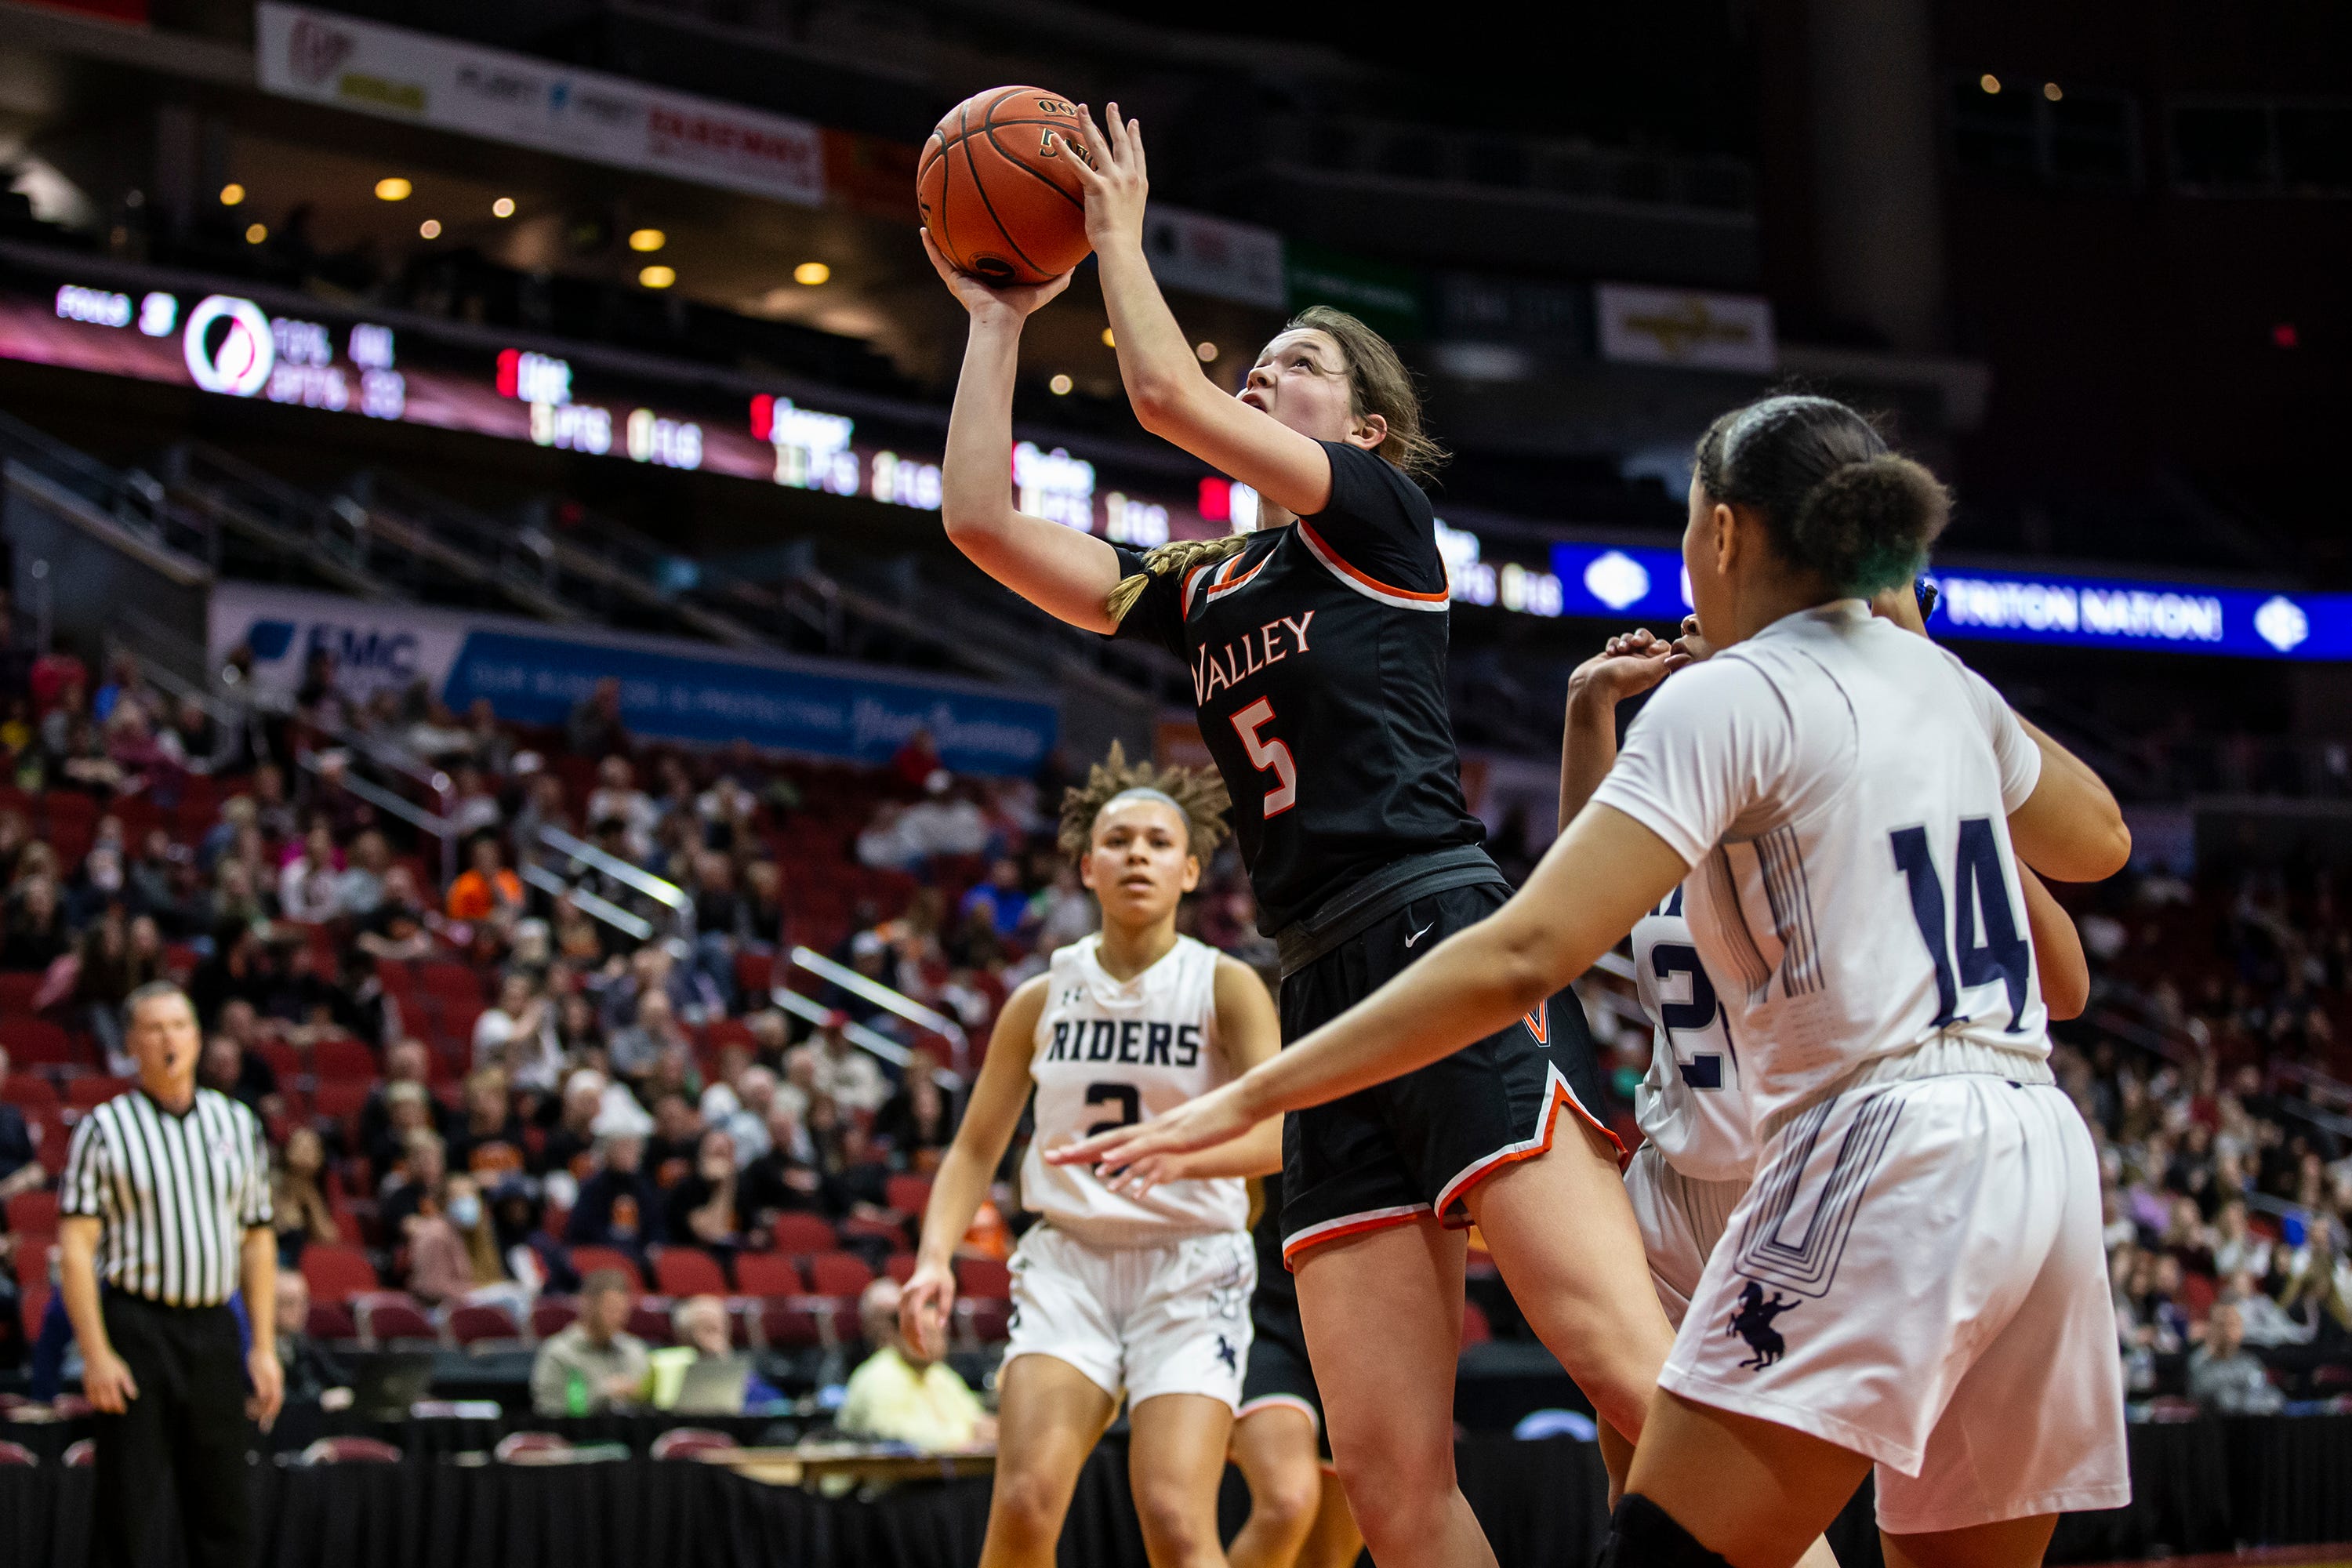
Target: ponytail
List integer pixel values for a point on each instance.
(1179, 556)
(1834, 500)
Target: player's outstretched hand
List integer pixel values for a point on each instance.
(1201, 1123)
(923, 1308)
(981, 299)
(1110, 170)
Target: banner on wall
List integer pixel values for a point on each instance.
(1638, 324)
(1214, 256)
(535, 674)
(326, 57)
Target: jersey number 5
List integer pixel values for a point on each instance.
(1123, 1095)
(1268, 756)
(1979, 884)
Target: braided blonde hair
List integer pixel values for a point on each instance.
(1178, 555)
(1198, 792)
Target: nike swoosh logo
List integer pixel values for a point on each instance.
(1419, 934)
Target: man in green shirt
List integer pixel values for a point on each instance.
(595, 1364)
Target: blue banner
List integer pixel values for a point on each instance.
(1645, 583)
(539, 680)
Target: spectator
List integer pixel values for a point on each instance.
(313, 1376)
(917, 1123)
(20, 1167)
(2262, 1322)
(229, 1069)
(477, 808)
(571, 1143)
(359, 889)
(117, 957)
(1000, 897)
(405, 1061)
(517, 1034)
(594, 727)
(700, 1323)
(896, 1396)
(455, 1251)
(401, 929)
(299, 1198)
(310, 885)
(916, 759)
(486, 891)
(2224, 1377)
(741, 1110)
(36, 936)
(2236, 1248)
(595, 1364)
(490, 1145)
(704, 1209)
(635, 1052)
(840, 1071)
(618, 798)
(416, 1183)
(617, 1207)
(784, 1180)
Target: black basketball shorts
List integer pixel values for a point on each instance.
(1279, 1373)
(1413, 1146)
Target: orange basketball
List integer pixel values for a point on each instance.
(995, 188)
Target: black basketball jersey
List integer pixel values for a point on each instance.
(1319, 665)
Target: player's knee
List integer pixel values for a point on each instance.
(1643, 1535)
(1175, 1525)
(1396, 1492)
(1288, 1498)
(1028, 1504)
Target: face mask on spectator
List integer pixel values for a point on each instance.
(464, 1211)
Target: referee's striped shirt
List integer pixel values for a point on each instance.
(174, 1195)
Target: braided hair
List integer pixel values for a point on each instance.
(1198, 793)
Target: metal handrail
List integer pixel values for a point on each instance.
(397, 760)
(620, 871)
(595, 907)
(890, 1001)
(383, 799)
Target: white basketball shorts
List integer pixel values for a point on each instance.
(1146, 1320)
(1680, 1220)
(1916, 1275)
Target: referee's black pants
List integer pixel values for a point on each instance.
(188, 1423)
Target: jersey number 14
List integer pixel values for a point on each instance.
(1979, 889)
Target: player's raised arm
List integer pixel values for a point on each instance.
(1627, 665)
(957, 1192)
(1172, 396)
(1066, 573)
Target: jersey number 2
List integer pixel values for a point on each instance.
(1979, 884)
(1669, 959)
(1268, 756)
(1123, 1095)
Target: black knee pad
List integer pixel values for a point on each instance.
(1643, 1535)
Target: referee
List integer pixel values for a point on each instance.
(165, 1212)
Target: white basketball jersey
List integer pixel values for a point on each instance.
(1841, 789)
(1688, 1103)
(1108, 1053)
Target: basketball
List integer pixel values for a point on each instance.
(995, 188)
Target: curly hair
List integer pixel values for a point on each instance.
(1199, 793)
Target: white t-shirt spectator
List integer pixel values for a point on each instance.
(852, 1080)
(537, 1065)
(311, 894)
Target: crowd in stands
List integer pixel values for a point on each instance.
(542, 1071)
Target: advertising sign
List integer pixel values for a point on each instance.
(1642, 325)
(1214, 256)
(671, 689)
(326, 57)
(1645, 583)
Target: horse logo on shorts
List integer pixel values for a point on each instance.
(1753, 1322)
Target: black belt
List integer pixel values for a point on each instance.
(1363, 904)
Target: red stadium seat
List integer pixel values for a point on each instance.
(336, 1271)
(30, 1093)
(34, 1216)
(983, 1279)
(440, 978)
(899, 1266)
(530, 1448)
(35, 1042)
(805, 1233)
(331, 1321)
(1476, 1329)
(472, 1324)
(838, 1274)
(767, 1274)
(284, 1060)
(340, 1099)
(789, 1324)
(391, 1317)
(397, 977)
(649, 1319)
(343, 1058)
(688, 1271)
(686, 1442)
(909, 1195)
(86, 1091)
(350, 1451)
(550, 1315)
(17, 1454)
(890, 1233)
(80, 1455)
(755, 975)
(587, 1261)
(988, 1321)
(57, 1140)
(17, 989)
(725, 1031)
